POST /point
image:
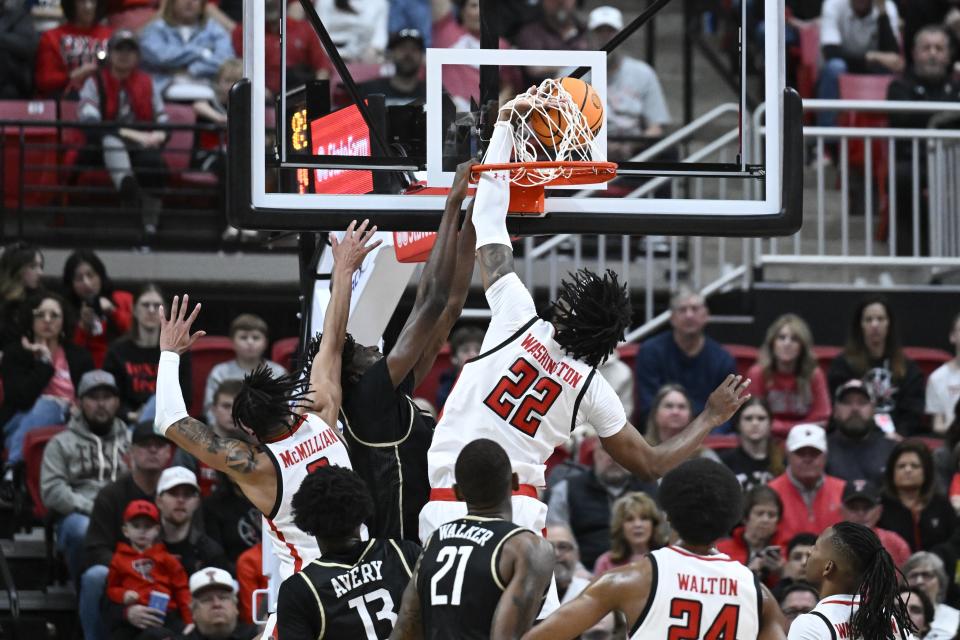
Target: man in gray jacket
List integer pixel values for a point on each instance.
(81, 460)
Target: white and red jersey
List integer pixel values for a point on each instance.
(697, 597)
(311, 444)
(523, 391)
(830, 620)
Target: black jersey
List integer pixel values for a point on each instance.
(459, 580)
(353, 594)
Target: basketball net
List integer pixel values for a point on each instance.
(573, 141)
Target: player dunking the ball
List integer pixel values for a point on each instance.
(536, 380)
(291, 440)
(685, 590)
(480, 576)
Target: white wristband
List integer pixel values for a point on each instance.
(170, 405)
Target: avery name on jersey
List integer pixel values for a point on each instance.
(356, 577)
(709, 586)
(562, 370)
(470, 532)
(308, 448)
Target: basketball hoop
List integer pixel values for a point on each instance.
(554, 143)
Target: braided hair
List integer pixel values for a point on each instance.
(877, 582)
(591, 315)
(266, 400)
(346, 356)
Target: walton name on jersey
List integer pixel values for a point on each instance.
(473, 533)
(540, 353)
(707, 585)
(308, 448)
(356, 577)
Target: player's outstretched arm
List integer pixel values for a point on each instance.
(325, 392)
(494, 249)
(409, 624)
(247, 464)
(529, 560)
(772, 622)
(625, 590)
(633, 452)
(440, 294)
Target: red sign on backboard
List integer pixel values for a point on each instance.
(342, 133)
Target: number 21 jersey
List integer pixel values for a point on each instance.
(523, 391)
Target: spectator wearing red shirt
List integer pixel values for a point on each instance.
(755, 542)
(861, 504)
(140, 567)
(786, 375)
(306, 59)
(69, 54)
(811, 499)
(104, 313)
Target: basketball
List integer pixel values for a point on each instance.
(549, 129)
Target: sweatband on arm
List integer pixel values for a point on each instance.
(493, 191)
(170, 405)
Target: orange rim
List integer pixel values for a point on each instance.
(580, 172)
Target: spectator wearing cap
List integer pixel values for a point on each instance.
(81, 460)
(149, 456)
(178, 498)
(18, 44)
(635, 101)
(306, 58)
(70, 53)
(558, 28)
(141, 569)
(811, 498)
(861, 504)
(214, 607)
(120, 93)
(912, 505)
(183, 49)
(406, 51)
(858, 448)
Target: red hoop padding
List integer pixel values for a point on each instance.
(527, 198)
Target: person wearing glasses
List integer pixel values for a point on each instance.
(40, 372)
(132, 359)
(797, 599)
(925, 571)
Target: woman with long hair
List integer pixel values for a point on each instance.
(758, 457)
(133, 358)
(912, 505)
(21, 267)
(69, 54)
(635, 531)
(670, 412)
(787, 377)
(103, 313)
(873, 354)
(754, 543)
(858, 585)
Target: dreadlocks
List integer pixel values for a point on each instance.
(266, 401)
(877, 587)
(591, 315)
(346, 357)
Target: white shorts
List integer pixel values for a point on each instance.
(527, 512)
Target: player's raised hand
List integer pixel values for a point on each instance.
(727, 398)
(175, 332)
(461, 181)
(349, 252)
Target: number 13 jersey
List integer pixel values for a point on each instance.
(523, 391)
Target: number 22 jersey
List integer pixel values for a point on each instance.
(523, 391)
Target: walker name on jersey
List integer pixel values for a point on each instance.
(473, 533)
(562, 370)
(708, 586)
(356, 577)
(307, 449)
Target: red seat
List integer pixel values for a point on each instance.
(628, 353)
(284, 350)
(825, 355)
(721, 441)
(809, 65)
(32, 146)
(179, 146)
(927, 359)
(428, 386)
(744, 355)
(206, 353)
(33, 445)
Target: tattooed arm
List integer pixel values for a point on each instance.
(526, 566)
(496, 261)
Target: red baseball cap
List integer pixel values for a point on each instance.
(139, 508)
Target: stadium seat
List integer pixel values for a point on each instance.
(745, 356)
(29, 152)
(33, 445)
(720, 442)
(809, 66)
(825, 355)
(206, 353)
(628, 353)
(284, 350)
(927, 359)
(428, 386)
